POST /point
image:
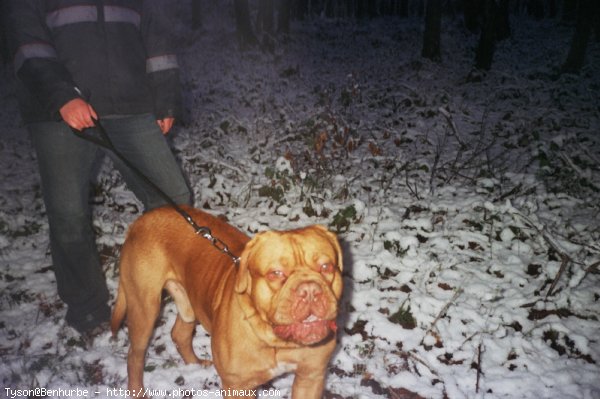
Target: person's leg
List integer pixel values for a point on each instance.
(139, 139)
(65, 164)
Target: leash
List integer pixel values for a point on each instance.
(104, 141)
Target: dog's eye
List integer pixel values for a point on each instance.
(327, 268)
(275, 275)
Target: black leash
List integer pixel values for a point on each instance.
(104, 141)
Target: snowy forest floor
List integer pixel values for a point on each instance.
(458, 197)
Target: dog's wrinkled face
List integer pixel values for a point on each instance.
(295, 282)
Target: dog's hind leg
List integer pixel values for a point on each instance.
(141, 316)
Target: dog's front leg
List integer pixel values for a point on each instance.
(182, 334)
(309, 385)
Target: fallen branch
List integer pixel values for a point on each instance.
(423, 362)
(564, 256)
(444, 310)
(593, 268)
(565, 259)
(478, 368)
(581, 174)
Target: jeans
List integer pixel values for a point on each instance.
(66, 163)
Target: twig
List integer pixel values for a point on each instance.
(587, 152)
(565, 258)
(592, 268)
(576, 169)
(513, 191)
(450, 121)
(414, 190)
(444, 309)
(419, 360)
(436, 161)
(478, 368)
(570, 162)
(233, 168)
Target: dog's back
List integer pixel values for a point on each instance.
(147, 261)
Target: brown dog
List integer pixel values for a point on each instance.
(275, 313)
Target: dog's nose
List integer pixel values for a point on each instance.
(309, 291)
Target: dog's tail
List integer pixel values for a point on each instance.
(119, 310)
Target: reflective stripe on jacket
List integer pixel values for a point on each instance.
(117, 54)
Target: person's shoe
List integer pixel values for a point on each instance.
(90, 321)
(89, 336)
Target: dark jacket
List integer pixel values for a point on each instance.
(116, 54)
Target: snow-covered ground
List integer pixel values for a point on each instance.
(458, 196)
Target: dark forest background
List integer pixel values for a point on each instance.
(262, 23)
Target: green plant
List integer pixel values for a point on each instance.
(343, 218)
(395, 248)
(404, 317)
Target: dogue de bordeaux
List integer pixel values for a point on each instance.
(274, 313)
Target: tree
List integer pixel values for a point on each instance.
(365, 9)
(403, 8)
(471, 12)
(301, 9)
(4, 51)
(196, 14)
(243, 24)
(487, 40)
(265, 17)
(535, 8)
(569, 11)
(502, 21)
(432, 34)
(583, 28)
(283, 17)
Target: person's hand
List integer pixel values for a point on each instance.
(78, 114)
(165, 124)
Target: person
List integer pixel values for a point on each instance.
(78, 61)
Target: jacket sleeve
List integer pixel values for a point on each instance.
(162, 67)
(35, 58)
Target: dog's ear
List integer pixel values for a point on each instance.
(333, 240)
(243, 278)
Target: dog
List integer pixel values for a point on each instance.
(272, 314)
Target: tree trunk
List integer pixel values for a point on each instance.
(552, 9)
(579, 43)
(502, 21)
(569, 11)
(4, 50)
(243, 24)
(283, 17)
(471, 12)
(301, 9)
(265, 16)
(485, 49)
(535, 8)
(196, 14)
(265, 21)
(329, 9)
(433, 26)
(403, 8)
(597, 23)
(372, 6)
(360, 9)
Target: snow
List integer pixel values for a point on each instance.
(345, 125)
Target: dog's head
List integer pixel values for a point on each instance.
(294, 280)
